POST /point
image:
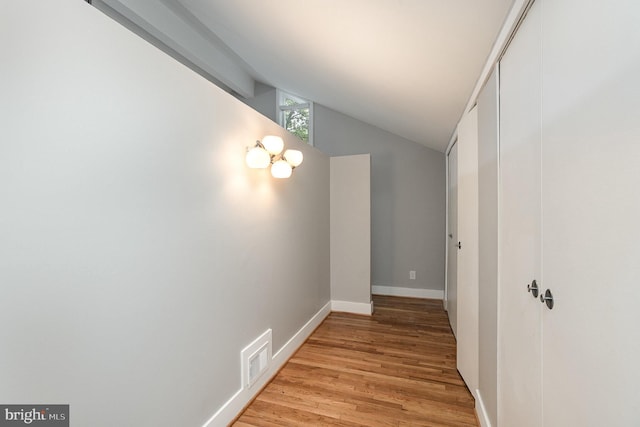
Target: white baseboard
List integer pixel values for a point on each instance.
(352, 307)
(481, 411)
(242, 397)
(407, 292)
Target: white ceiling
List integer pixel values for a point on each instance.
(406, 66)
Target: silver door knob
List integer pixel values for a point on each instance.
(547, 298)
(533, 288)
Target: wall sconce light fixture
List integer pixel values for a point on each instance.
(267, 152)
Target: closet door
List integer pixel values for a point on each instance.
(467, 324)
(519, 324)
(591, 212)
(452, 245)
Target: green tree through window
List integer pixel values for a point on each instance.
(296, 116)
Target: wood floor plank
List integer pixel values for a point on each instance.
(396, 368)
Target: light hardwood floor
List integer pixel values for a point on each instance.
(395, 368)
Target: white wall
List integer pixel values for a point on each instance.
(351, 233)
(138, 254)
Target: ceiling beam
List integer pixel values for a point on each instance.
(172, 28)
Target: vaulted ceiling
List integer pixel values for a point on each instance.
(406, 66)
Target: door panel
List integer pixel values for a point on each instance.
(488, 114)
(452, 260)
(591, 213)
(519, 334)
(467, 328)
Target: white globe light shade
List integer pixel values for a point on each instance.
(293, 157)
(281, 169)
(273, 144)
(258, 158)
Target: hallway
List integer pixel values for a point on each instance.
(395, 368)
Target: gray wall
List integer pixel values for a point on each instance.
(138, 254)
(264, 101)
(488, 245)
(408, 193)
(351, 228)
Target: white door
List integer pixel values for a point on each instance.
(591, 213)
(467, 323)
(519, 316)
(452, 235)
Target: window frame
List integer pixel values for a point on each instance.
(301, 103)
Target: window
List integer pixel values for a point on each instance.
(296, 115)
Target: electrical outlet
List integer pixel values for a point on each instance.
(412, 275)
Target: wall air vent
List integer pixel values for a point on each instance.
(255, 359)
